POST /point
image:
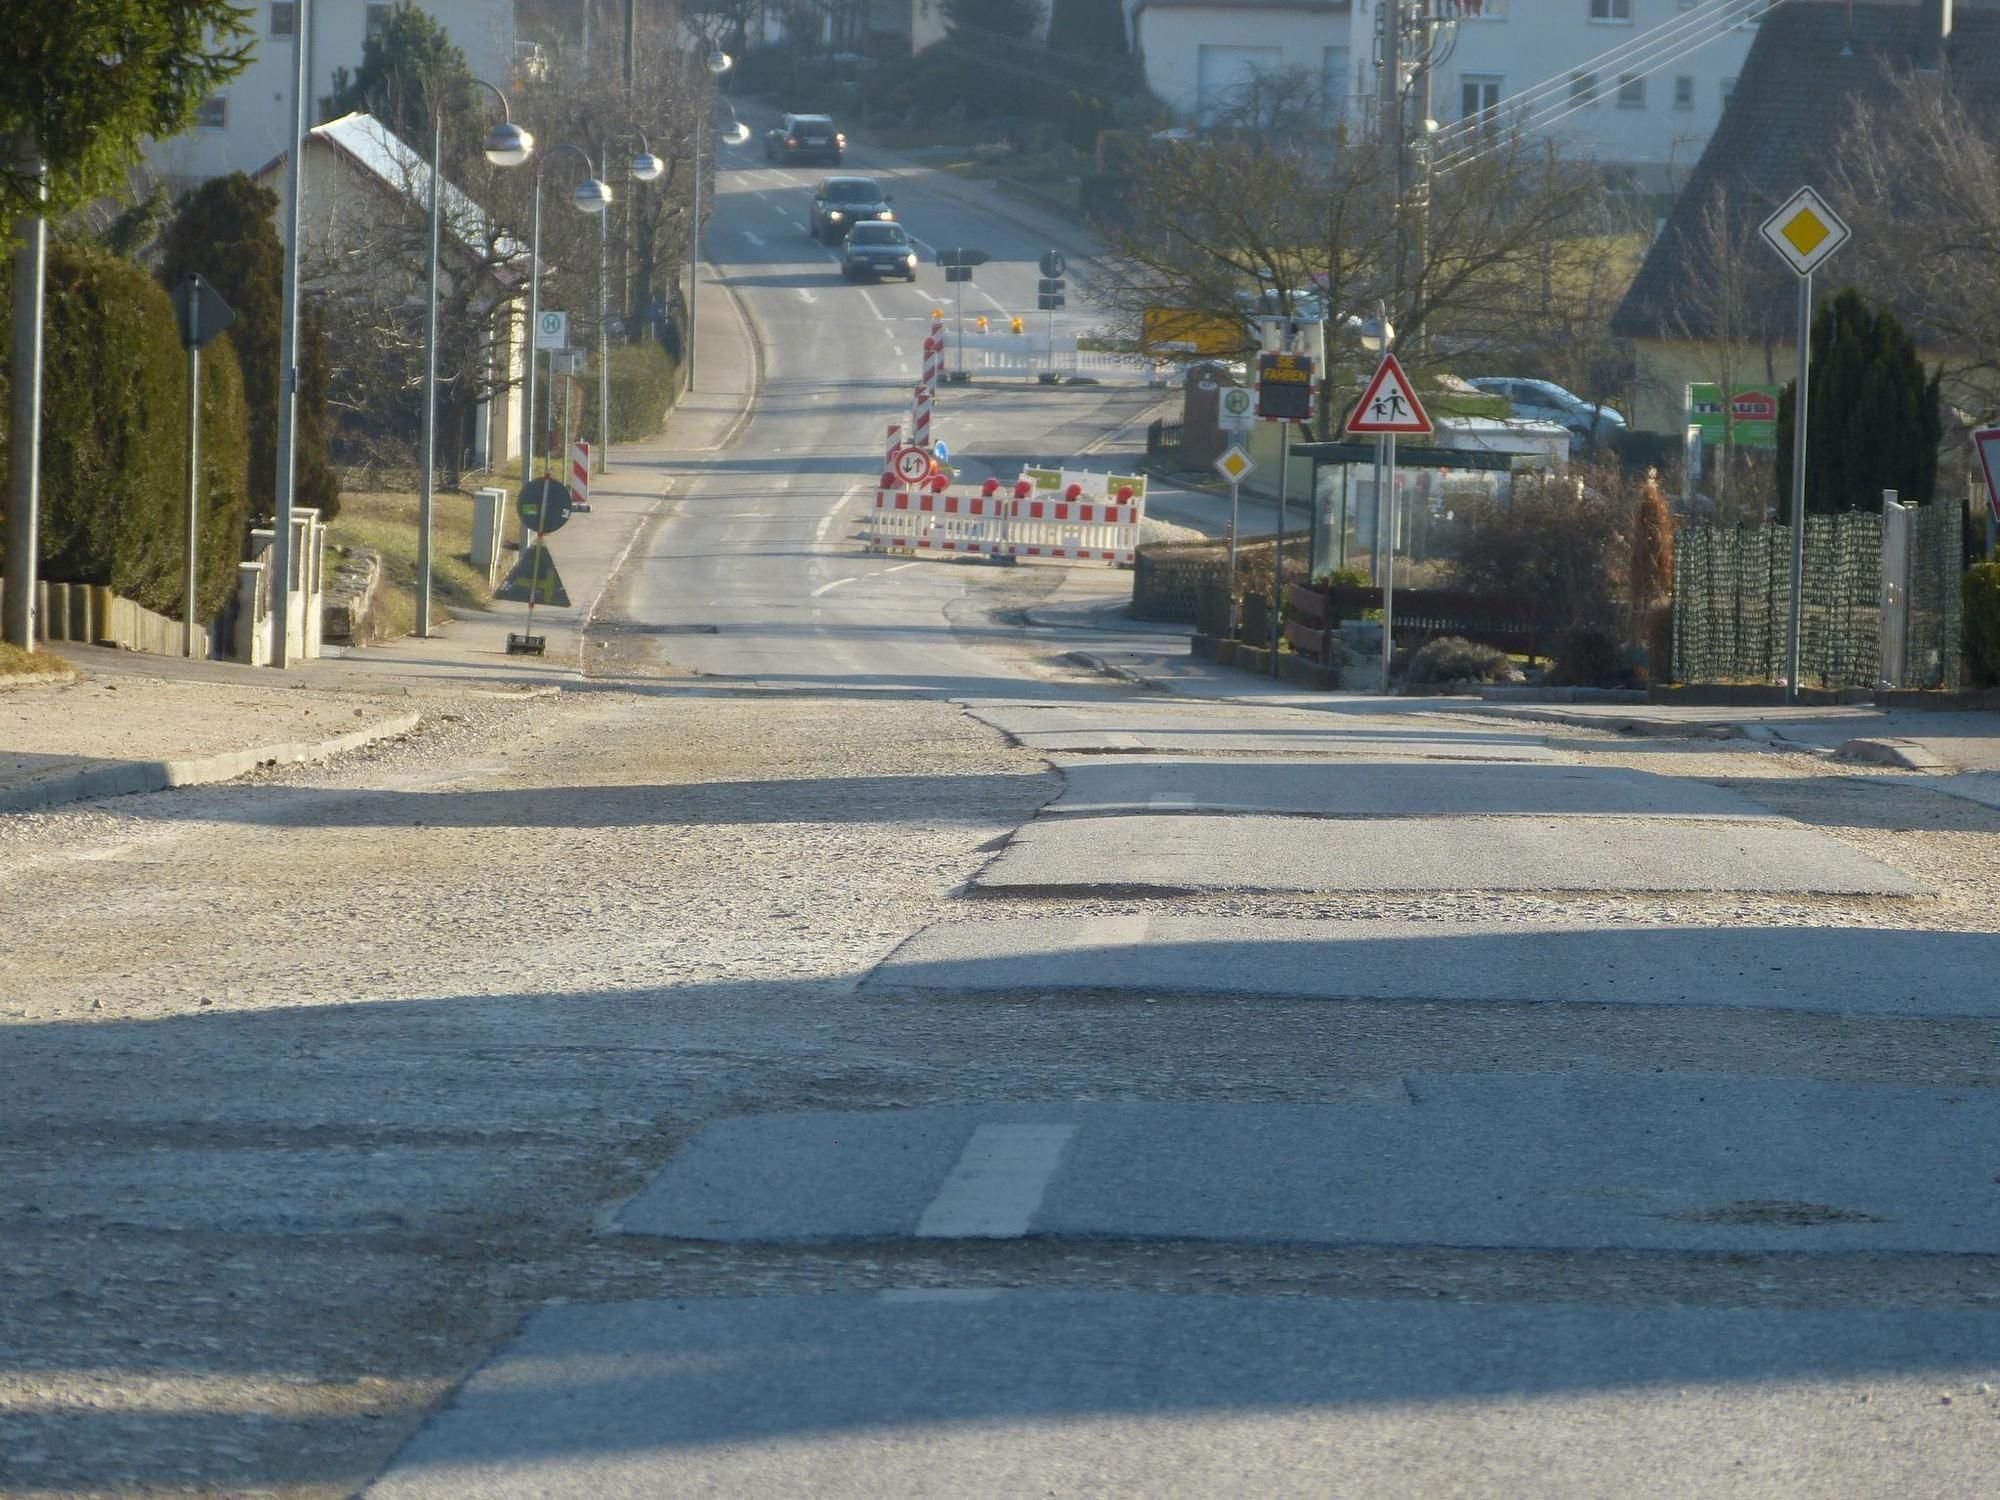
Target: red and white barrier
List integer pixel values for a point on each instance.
(579, 476)
(1065, 527)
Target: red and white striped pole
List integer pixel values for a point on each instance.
(920, 417)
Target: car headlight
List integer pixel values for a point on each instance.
(910, 260)
(888, 213)
(836, 215)
(840, 140)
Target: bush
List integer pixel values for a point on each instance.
(1981, 588)
(225, 487)
(1587, 657)
(114, 441)
(1560, 542)
(1452, 658)
(644, 382)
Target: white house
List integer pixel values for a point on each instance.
(1637, 83)
(1628, 82)
(250, 121)
(1201, 55)
(360, 182)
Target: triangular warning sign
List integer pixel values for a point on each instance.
(1389, 405)
(534, 580)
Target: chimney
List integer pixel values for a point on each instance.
(1933, 31)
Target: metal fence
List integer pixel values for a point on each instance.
(1732, 599)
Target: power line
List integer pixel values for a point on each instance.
(1642, 57)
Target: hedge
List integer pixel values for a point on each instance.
(1982, 621)
(644, 381)
(114, 437)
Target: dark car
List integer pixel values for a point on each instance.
(839, 203)
(878, 250)
(804, 138)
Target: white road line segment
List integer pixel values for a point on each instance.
(827, 588)
(997, 1184)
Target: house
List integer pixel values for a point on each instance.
(250, 121)
(896, 27)
(1809, 65)
(363, 189)
(1633, 83)
(1203, 57)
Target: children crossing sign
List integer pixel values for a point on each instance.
(1389, 407)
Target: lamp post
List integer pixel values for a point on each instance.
(719, 62)
(506, 145)
(591, 196)
(645, 167)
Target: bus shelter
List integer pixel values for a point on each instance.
(1434, 487)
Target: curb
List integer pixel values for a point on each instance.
(1096, 663)
(134, 777)
(37, 679)
(1664, 729)
(1903, 754)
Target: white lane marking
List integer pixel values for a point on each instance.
(998, 1183)
(755, 239)
(783, 211)
(827, 588)
(804, 295)
(873, 306)
(900, 566)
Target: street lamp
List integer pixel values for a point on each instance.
(505, 145)
(592, 196)
(645, 167)
(735, 135)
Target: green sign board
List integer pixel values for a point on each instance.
(1753, 412)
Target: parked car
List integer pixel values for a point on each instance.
(839, 203)
(878, 250)
(804, 138)
(1589, 422)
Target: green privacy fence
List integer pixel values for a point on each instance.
(1732, 598)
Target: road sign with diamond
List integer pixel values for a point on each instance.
(1234, 464)
(1805, 232)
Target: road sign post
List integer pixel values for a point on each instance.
(1388, 407)
(1234, 465)
(958, 263)
(1986, 443)
(1049, 296)
(202, 315)
(1805, 232)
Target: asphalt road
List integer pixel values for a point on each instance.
(1666, 1137)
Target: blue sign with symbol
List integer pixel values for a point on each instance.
(941, 452)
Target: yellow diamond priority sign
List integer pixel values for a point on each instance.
(1234, 464)
(1805, 231)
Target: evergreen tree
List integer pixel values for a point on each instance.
(972, 21)
(408, 68)
(1874, 422)
(1087, 28)
(223, 232)
(86, 84)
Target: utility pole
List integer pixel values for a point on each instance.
(25, 449)
(288, 339)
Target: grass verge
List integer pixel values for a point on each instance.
(385, 522)
(14, 662)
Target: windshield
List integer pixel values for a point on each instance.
(854, 190)
(878, 234)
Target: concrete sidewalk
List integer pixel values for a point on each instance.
(130, 722)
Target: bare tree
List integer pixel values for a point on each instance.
(1729, 293)
(1918, 171)
(1215, 218)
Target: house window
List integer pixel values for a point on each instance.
(1611, 10)
(378, 18)
(284, 17)
(214, 113)
(1479, 98)
(1333, 83)
(1684, 91)
(1631, 91)
(1583, 88)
